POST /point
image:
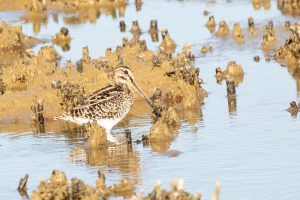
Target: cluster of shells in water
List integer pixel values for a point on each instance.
(58, 186)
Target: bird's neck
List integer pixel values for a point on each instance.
(122, 86)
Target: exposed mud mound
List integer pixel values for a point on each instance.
(34, 77)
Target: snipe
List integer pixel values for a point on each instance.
(109, 105)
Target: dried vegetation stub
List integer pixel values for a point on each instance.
(290, 52)
(38, 76)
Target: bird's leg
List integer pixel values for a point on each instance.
(110, 137)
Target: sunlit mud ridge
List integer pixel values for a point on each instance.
(58, 186)
(39, 77)
(289, 7)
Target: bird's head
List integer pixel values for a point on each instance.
(123, 75)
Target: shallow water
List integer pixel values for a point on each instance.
(253, 151)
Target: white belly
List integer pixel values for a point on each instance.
(108, 124)
(77, 120)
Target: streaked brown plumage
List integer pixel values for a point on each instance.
(108, 105)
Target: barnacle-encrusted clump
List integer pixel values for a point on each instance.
(96, 136)
(257, 4)
(62, 38)
(251, 26)
(290, 52)
(58, 186)
(165, 127)
(135, 29)
(49, 54)
(12, 38)
(211, 24)
(168, 44)
(233, 70)
(36, 6)
(223, 29)
(206, 49)
(289, 7)
(237, 33)
(176, 191)
(294, 108)
(55, 187)
(268, 36)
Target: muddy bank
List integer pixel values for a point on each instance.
(40, 77)
(62, 5)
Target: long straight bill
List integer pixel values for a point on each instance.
(144, 95)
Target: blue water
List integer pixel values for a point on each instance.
(254, 151)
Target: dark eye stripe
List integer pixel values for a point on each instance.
(131, 79)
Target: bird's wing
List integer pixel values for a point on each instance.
(99, 96)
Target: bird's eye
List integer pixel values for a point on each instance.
(126, 72)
